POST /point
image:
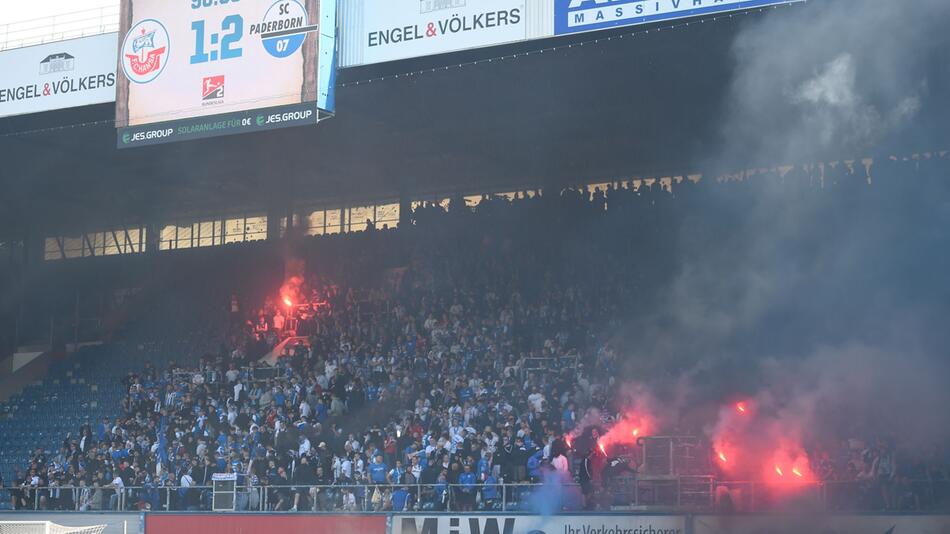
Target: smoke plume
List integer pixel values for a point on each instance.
(816, 304)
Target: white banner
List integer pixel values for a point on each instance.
(66, 74)
(837, 524)
(533, 524)
(375, 31)
(387, 30)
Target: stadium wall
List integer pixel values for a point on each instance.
(826, 524)
(440, 523)
(480, 523)
(264, 523)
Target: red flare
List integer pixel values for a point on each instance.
(722, 457)
(779, 471)
(567, 439)
(288, 302)
(740, 406)
(601, 445)
(797, 472)
(636, 432)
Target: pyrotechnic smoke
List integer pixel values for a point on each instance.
(637, 416)
(829, 78)
(290, 294)
(822, 319)
(830, 396)
(814, 83)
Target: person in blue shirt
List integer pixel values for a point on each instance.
(400, 499)
(372, 392)
(489, 492)
(534, 465)
(485, 466)
(466, 493)
(119, 454)
(103, 428)
(378, 470)
(569, 418)
(320, 412)
(440, 490)
(396, 475)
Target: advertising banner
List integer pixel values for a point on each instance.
(573, 16)
(211, 62)
(834, 524)
(65, 74)
(390, 30)
(229, 523)
(375, 31)
(533, 524)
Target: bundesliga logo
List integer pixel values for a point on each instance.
(212, 88)
(144, 51)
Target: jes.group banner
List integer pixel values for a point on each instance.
(60, 75)
(201, 68)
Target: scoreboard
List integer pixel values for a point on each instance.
(191, 69)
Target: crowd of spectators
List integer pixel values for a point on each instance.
(428, 366)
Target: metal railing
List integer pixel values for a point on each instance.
(693, 494)
(315, 498)
(834, 496)
(59, 27)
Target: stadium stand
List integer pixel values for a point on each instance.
(427, 365)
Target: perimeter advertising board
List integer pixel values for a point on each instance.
(252, 523)
(534, 524)
(573, 16)
(201, 68)
(830, 524)
(65, 74)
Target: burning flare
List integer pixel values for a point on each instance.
(601, 446)
(288, 302)
(722, 457)
(636, 432)
(740, 406)
(779, 471)
(797, 472)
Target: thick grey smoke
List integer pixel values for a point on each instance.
(830, 78)
(825, 314)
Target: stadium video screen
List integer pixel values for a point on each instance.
(190, 69)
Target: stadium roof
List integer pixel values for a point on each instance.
(611, 109)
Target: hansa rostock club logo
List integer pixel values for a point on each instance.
(145, 51)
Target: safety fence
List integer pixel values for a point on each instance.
(693, 494)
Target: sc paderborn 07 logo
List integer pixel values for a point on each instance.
(145, 51)
(284, 28)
